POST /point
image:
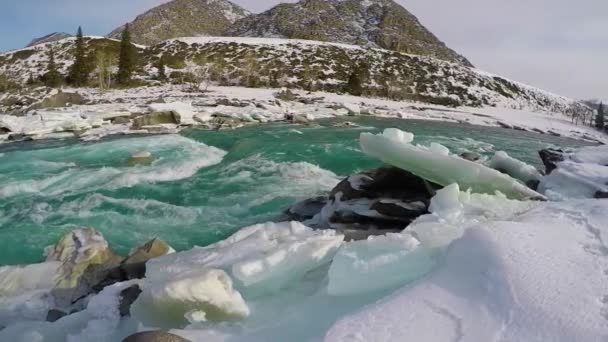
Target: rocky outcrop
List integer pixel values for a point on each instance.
(550, 158)
(372, 202)
(156, 118)
(52, 37)
(58, 100)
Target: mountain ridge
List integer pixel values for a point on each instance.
(182, 18)
(372, 23)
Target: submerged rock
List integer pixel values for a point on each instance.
(54, 315)
(140, 158)
(155, 336)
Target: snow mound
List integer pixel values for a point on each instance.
(198, 295)
(583, 174)
(378, 263)
(502, 280)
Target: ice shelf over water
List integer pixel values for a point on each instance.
(396, 149)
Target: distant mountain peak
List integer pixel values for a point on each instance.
(51, 37)
(372, 23)
(183, 18)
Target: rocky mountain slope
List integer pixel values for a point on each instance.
(370, 23)
(183, 18)
(309, 65)
(52, 37)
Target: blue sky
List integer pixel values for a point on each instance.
(557, 45)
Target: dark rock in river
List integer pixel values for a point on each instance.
(470, 156)
(155, 336)
(127, 298)
(601, 195)
(54, 315)
(372, 202)
(550, 158)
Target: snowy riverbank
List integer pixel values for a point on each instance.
(477, 266)
(117, 112)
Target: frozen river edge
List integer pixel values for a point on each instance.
(486, 255)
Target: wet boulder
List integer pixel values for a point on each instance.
(77, 251)
(140, 158)
(127, 297)
(155, 119)
(372, 202)
(550, 158)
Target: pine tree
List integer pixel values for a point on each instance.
(52, 77)
(599, 119)
(127, 59)
(79, 72)
(162, 76)
(354, 85)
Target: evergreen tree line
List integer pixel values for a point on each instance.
(79, 74)
(599, 118)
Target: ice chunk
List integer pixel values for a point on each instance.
(379, 263)
(439, 149)
(267, 255)
(172, 302)
(398, 135)
(514, 168)
(446, 203)
(393, 147)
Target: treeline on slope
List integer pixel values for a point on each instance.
(94, 62)
(315, 67)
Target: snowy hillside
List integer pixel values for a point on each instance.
(310, 65)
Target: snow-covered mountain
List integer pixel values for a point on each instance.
(370, 23)
(52, 37)
(183, 18)
(310, 65)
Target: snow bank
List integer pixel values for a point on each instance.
(378, 263)
(517, 280)
(583, 174)
(440, 168)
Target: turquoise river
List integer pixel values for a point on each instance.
(202, 185)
